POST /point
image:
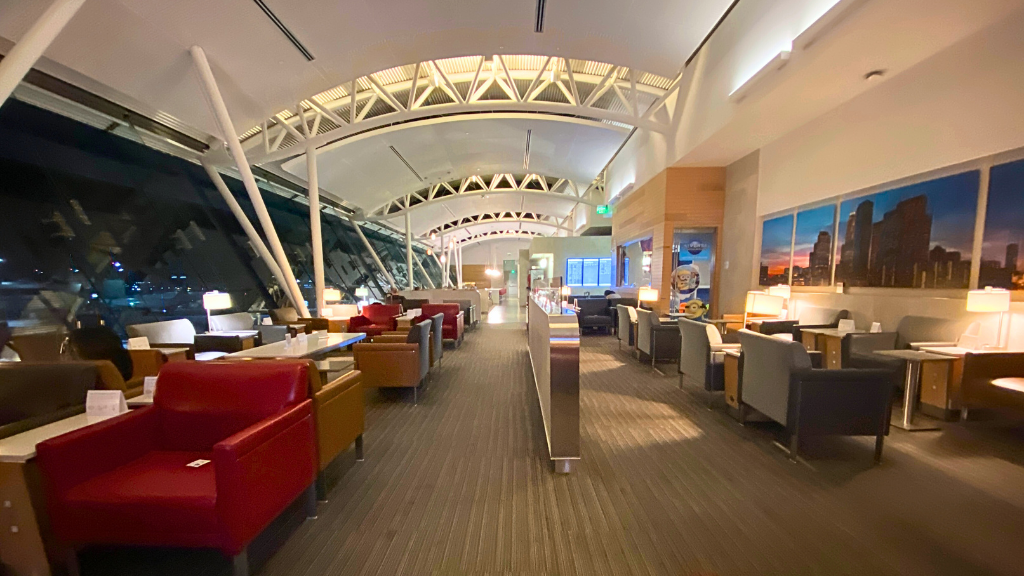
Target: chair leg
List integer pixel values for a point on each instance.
(879, 442)
(310, 501)
(359, 448)
(321, 487)
(240, 563)
(415, 395)
(794, 445)
(72, 563)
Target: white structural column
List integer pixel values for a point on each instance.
(250, 231)
(369, 248)
(459, 249)
(33, 43)
(317, 240)
(425, 275)
(220, 111)
(408, 248)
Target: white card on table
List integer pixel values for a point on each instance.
(846, 325)
(327, 313)
(302, 339)
(876, 328)
(197, 463)
(105, 404)
(149, 385)
(287, 340)
(140, 343)
(268, 321)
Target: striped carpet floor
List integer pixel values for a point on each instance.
(460, 483)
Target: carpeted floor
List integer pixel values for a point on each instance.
(460, 484)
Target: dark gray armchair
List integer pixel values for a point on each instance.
(702, 355)
(657, 340)
(626, 322)
(858, 350)
(595, 313)
(809, 317)
(779, 382)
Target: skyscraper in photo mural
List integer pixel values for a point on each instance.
(916, 236)
(1004, 228)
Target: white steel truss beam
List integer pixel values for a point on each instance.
(510, 218)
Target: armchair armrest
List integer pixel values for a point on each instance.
(261, 470)
(146, 362)
(390, 338)
(769, 327)
(73, 458)
(869, 342)
(191, 346)
(218, 343)
(919, 345)
(847, 402)
(724, 347)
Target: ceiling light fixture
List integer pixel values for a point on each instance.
(526, 156)
(284, 30)
(538, 25)
(407, 165)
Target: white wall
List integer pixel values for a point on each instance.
(964, 103)
(573, 247)
(737, 270)
(481, 252)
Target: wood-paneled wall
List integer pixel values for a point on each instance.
(683, 198)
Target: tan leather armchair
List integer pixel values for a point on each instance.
(110, 379)
(339, 416)
(390, 365)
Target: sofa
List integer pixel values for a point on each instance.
(33, 394)
(453, 327)
(375, 319)
(911, 332)
(100, 343)
(242, 323)
(780, 382)
(702, 354)
(657, 340)
(182, 334)
(134, 479)
(595, 313)
(809, 317)
(393, 363)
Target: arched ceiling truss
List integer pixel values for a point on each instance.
(480, 186)
(469, 84)
(513, 221)
(497, 235)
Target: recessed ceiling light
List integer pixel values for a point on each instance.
(875, 74)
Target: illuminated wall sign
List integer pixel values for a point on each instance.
(604, 209)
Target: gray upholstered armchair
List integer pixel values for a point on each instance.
(702, 355)
(626, 318)
(779, 382)
(911, 332)
(655, 339)
(809, 317)
(242, 322)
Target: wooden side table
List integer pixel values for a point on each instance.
(923, 369)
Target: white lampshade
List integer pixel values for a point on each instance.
(648, 295)
(362, 292)
(216, 300)
(566, 290)
(988, 300)
(780, 290)
(764, 303)
(332, 295)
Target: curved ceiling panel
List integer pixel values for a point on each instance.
(429, 216)
(374, 168)
(144, 53)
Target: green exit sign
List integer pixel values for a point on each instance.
(603, 209)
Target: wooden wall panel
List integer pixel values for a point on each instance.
(675, 198)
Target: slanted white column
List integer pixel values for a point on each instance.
(250, 231)
(408, 247)
(317, 240)
(369, 248)
(458, 250)
(220, 111)
(425, 275)
(33, 43)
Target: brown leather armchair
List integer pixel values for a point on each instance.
(290, 317)
(33, 394)
(339, 414)
(396, 364)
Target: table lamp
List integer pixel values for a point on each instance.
(332, 295)
(648, 295)
(783, 291)
(215, 301)
(762, 303)
(990, 300)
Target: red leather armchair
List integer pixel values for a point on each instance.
(453, 325)
(375, 319)
(126, 481)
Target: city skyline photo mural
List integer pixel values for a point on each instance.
(812, 246)
(916, 236)
(776, 247)
(1004, 228)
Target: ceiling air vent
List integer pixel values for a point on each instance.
(538, 25)
(284, 30)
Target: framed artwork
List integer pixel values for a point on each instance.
(915, 236)
(776, 250)
(1004, 228)
(812, 246)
